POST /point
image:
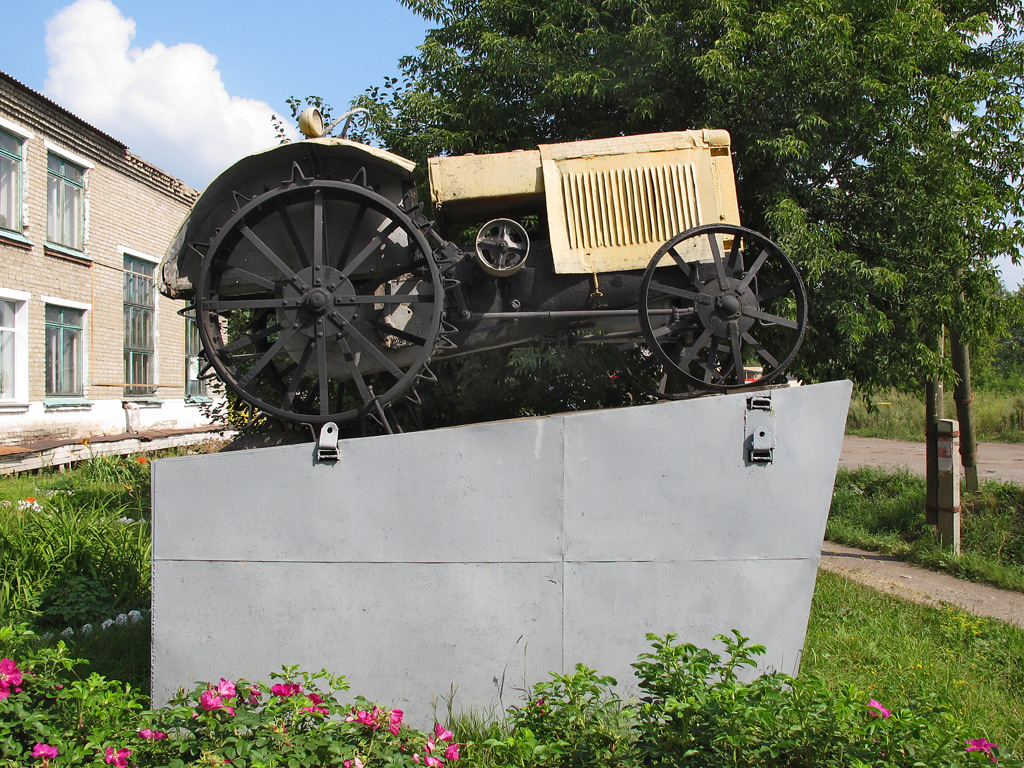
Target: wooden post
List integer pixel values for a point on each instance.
(948, 464)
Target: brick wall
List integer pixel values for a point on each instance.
(130, 207)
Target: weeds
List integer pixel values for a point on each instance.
(884, 511)
(893, 415)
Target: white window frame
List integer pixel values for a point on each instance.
(86, 166)
(85, 309)
(21, 301)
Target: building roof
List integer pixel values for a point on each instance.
(132, 162)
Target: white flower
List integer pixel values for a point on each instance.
(107, 624)
(134, 617)
(86, 630)
(121, 620)
(67, 632)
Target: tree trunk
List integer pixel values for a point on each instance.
(963, 395)
(931, 503)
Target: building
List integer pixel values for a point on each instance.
(87, 344)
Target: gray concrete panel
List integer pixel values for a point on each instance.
(491, 492)
(610, 608)
(400, 633)
(686, 490)
(494, 552)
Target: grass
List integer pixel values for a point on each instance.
(884, 512)
(999, 416)
(899, 651)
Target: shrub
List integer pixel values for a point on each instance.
(694, 710)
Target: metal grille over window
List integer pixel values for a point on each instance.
(63, 352)
(7, 357)
(65, 203)
(139, 342)
(10, 182)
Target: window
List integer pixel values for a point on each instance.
(10, 182)
(139, 311)
(13, 347)
(65, 201)
(8, 346)
(64, 356)
(195, 387)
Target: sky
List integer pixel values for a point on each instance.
(191, 85)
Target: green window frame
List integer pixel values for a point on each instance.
(139, 327)
(11, 157)
(64, 351)
(65, 203)
(194, 386)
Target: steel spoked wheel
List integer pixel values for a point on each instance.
(319, 301)
(722, 307)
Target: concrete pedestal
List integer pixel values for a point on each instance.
(477, 559)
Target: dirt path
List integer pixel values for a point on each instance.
(996, 461)
(887, 574)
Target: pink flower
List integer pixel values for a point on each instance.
(430, 746)
(452, 753)
(881, 711)
(416, 758)
(355, 763)
(226, 688)
(286, 689)
(254, 695)
(443, 734)
(150, 735)
(395, 720)
(315, 708)
(980, 745)
(44, 751)
(10, 677)
(118, 758)
(432, 762)
(210, 701)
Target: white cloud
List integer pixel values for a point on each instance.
(168, 104)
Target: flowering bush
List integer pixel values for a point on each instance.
(693, 711)
(48, 718)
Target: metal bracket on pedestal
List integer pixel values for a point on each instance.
(759, 430)
(327, 443)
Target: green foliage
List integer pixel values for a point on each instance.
(884, 511)
(894, 415)
(572, 721)
(529, 380)
(296, 722)
(76, 548)
(694, 709)
(876, 142)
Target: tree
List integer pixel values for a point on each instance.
(876, 141)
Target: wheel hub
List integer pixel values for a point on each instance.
(723, 304)
(316, 301)
(313, 298)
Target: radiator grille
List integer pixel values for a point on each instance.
(617, 207)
